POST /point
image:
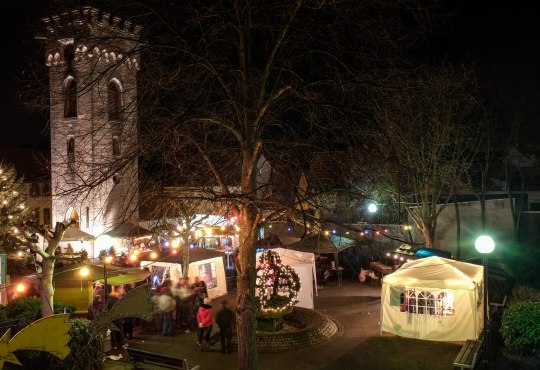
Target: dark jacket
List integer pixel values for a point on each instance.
(225, 318)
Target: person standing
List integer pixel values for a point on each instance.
(117, 337)
(225, 319)
(167, 306)
(205, 322)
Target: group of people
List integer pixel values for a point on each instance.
(181, 306)
(225, 320)
(187, 307)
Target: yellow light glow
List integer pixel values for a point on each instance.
(174, 251)
(133, 257)
(20, 253)
(198, 233)
(85, 271)
(20, 287)
(222, 228)
(153, 255)
(208, 231)
(237, 228)
(136, 252)
(326, 232)
(175, 243)
(108, 259)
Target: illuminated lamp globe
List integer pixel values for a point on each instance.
(85, 271)
(484, 244)
(372, 208)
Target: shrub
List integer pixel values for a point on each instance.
(523, 293)
(85, 354)
(520, 329)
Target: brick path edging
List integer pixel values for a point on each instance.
(319, 329)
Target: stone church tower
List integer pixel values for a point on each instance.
(93, 62)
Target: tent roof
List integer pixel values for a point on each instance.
(289, 256)
(129, 230)
(74, 234)
(320, 243)
(195, 255)
(436, 272)
(115, 275)
(126, 277)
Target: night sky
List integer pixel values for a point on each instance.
(503, 41)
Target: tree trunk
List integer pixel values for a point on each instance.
(47, 290)
(245, 305)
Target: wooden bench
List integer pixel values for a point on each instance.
(468, 356)
(139, 358)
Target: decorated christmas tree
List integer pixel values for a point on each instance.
(13, 212)
(277, 284)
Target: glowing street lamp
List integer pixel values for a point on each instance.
(485, 245)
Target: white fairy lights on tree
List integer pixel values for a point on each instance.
(13, 212)
(277, 284)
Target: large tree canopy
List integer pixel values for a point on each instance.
(235, 97)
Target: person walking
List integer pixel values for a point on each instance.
(225, 319)
(205, 322)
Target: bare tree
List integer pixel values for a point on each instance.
(432, 128)
(20, 229)
(234, 97)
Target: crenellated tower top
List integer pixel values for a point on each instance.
(93, 34)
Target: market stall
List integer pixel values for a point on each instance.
(204, 264)
(433, 298)
(304, 265)
(74, 283)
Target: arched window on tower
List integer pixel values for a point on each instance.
(70, 98)
(71, 148)
(115, 101)
(116, 146)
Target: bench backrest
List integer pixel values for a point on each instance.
(139, 355)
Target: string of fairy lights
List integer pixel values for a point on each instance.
(277, 285)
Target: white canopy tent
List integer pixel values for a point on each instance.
(204, 264)
(433, 298)
(304, 265)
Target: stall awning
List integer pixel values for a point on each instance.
(126, 277)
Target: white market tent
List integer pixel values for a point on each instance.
(205, 264)
(433, 298)
(304, 265)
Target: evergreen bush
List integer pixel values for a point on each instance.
(85, 353)
(520, 329)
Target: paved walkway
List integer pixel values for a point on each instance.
(352, 306)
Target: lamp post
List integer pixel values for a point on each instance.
(485, 245)
(106, 260)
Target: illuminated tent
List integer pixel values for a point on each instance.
(304, 265)
(72, 287)
(206, 264)
(433, 298)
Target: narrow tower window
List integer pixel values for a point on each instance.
(116, 146)
(70, 98)
(71, 147)
(115, 101)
